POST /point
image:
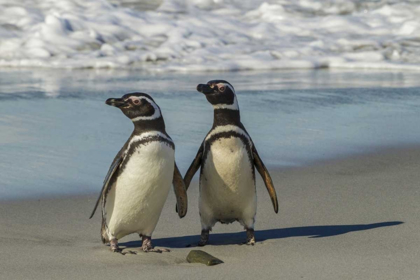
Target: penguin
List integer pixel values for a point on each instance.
(227, 157)
(138, 181)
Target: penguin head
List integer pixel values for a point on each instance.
(136, 106)
(220, 94)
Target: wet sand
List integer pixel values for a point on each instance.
(353, 218)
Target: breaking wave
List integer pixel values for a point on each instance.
(210, 35)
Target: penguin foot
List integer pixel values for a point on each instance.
(148, 247)
(155, 250)
(117, 250)
(114, 246)
(204, 238)
(250, 237)
(251, 242)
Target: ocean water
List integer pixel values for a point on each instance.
(210, 35)
(57, 136)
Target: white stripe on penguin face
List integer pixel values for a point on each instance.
(155, 115)
(233, 106)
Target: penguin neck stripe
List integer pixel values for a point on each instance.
(149, 134)
(228, 128)
(145, 135)
(155, 115)
(233, 106)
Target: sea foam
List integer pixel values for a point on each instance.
(210, 35)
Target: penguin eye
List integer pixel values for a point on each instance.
(136, 101)
(222, 89)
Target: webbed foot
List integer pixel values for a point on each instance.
(114, 246)
(148, 247)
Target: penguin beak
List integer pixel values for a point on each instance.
(116, 102)
(206, 89)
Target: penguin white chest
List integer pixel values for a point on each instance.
(136, 200)
(227, 186)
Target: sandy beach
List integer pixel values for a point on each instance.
(353, 218)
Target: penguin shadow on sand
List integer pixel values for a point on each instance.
(263, 235)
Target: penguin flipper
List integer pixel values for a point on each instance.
(195, 165)
(180, 193)
(112, 170)
(267, 179)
